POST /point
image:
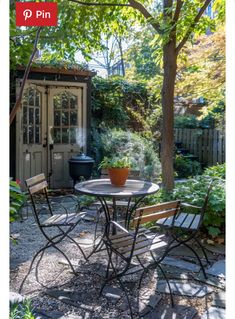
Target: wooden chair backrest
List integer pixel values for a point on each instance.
(36, 184)
(155, 212)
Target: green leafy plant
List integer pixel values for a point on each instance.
(185, 167)
(22, 310)
(17, 199)
(193, 191)
(115, 162)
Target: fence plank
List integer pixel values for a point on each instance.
(207, 144)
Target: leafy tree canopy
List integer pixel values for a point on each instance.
(202, 72)
(81, 27)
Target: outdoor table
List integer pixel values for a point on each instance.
(102, 189)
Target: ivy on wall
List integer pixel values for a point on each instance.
(117, 103)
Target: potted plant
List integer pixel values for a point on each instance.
(118, 169)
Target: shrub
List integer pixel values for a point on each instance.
(185, 167)
(17, 198)
(138, 149)
(193, 191)
(191, 121)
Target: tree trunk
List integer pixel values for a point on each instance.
(167, 146)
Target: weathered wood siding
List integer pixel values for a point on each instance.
(207, 144)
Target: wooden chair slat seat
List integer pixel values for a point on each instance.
(62, 220)
(183, 220)
(119, 203)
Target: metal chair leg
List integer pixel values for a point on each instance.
(203, 250)
(30, 268)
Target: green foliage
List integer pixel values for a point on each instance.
(192, 121)
(22, 310)
(139, 150)
(185, 121)
(185, 167)
(17, 198)
(126, 105)
(193, 191)
(141, 56)
(217, 171)
(201, 73)
(115, 162)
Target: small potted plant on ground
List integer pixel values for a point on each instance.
(118, 169)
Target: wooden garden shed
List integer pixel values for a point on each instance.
(53, 123)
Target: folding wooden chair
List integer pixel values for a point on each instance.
(132, 245)
(61, 221)
(184, 227)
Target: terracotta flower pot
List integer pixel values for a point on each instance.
(118, 176)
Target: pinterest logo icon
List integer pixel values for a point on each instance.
(36, 14)
(27, 13)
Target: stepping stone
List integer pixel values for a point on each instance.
(217, 269)
(146, 305)
(219, 299)
(214, 313)
(112, 293)
(46, 314)
(167, 312)
(183, 289)
(187, 253)
(211, 280)
(217, 249)
(181, 264)
(174, 272)
(70, 297)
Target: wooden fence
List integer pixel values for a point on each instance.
(207, 144)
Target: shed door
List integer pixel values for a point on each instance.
(65, 133)
(32, 133)
(51, 128)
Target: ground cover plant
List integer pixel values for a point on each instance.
(22, 310)
(17, 199)
(193, 191)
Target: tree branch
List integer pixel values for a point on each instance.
(26, 73)
(177, 10)
(100, 4)
(132, 3)
(136, 5)
(190, 29)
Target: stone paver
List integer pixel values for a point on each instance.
(217, 249)
(211, 280)
(181, 264)
(219, 299)
(70, 297)
(147, 305)
(214, 313)
(42, 314)
(186, 253)
(217, 269)
(183, 289)
(112, 293)
(167, 312)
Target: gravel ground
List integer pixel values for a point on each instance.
(83, 289)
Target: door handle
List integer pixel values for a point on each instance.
(45, 143)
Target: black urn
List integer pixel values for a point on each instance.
(80, 166)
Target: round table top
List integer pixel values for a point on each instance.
(103, 188)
